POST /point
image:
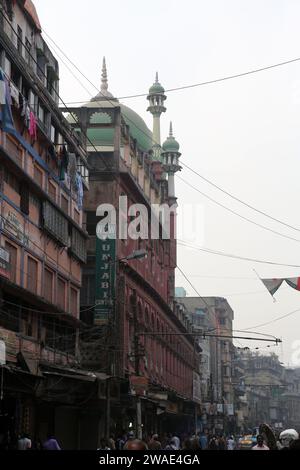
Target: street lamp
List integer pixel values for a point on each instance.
(136, 254)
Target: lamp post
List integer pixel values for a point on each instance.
(136, 254)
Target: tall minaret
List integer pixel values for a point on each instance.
(170, 160)
(156, 106)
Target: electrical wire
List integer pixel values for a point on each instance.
(236, 213)
(194, 171)
(274, 320)
(237, 199)
(229, 255)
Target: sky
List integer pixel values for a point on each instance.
(242, 134)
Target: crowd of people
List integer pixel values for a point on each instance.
(168, 441)
(286, 440)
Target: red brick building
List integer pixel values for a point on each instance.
(141, 332)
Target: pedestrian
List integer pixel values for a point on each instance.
(222, 443)
(51, 443)
(104, 444)
(230, 443)
(260, 444)
(120, 442)
(135, 444)
(154, 443)
(213, 443)
(112, 443)
(24, 442)
(171, 444)
(203, 440)
(130, 437)
(176, 441)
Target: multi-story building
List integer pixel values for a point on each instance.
(138, 335)
(214, 316)
(290, 399)
(259, 386)
(43, 173)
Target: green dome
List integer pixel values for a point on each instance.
(156, 88)
(137, 128)
(170, 145)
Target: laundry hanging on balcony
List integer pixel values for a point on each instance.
(6, 118)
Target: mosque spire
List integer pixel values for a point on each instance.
(104, 82)
(104, 93)
(171, 130)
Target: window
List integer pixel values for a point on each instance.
(24, 201)
(55, 223)
(32, 274)
(13, 254)
(222, 321)
(11, 180)
(20, 40)
(27, 50)
(78, 245)
(87, 293)
(61, 294)
(76, 216)
(48, 285)
(52, 191)
(74, 302)
(38, 175)
(64, 204)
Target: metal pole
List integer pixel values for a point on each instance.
(107, 411)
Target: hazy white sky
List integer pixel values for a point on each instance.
(243, 134)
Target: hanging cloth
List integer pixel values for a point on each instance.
(79, 190)
(64, 162)
(72, 168)
(14, 93)
(6, 117)
(32, 126)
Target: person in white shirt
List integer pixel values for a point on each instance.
(260, 444)
(24, 443)
(230, 443)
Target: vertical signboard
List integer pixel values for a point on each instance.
(105, 275)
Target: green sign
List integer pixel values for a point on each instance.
(105, 276)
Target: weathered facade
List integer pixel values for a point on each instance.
(214, 316)
(43, 173)
(139, 336)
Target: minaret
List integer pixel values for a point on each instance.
(170, 159)
(156, 106)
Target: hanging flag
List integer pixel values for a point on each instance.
(6, 118)
(273, 284)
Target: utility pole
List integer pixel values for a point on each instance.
(137, 366)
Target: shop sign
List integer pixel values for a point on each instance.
(105, 277)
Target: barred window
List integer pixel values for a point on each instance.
(78, 245)
(55, 223)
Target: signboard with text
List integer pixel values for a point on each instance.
(105, 277)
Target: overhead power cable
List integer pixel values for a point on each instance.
(229, 255)
(188, 167)
(183, 87)
(237, 214)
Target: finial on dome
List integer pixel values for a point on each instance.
(104, 83)
(171, 130)
(156, 77)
